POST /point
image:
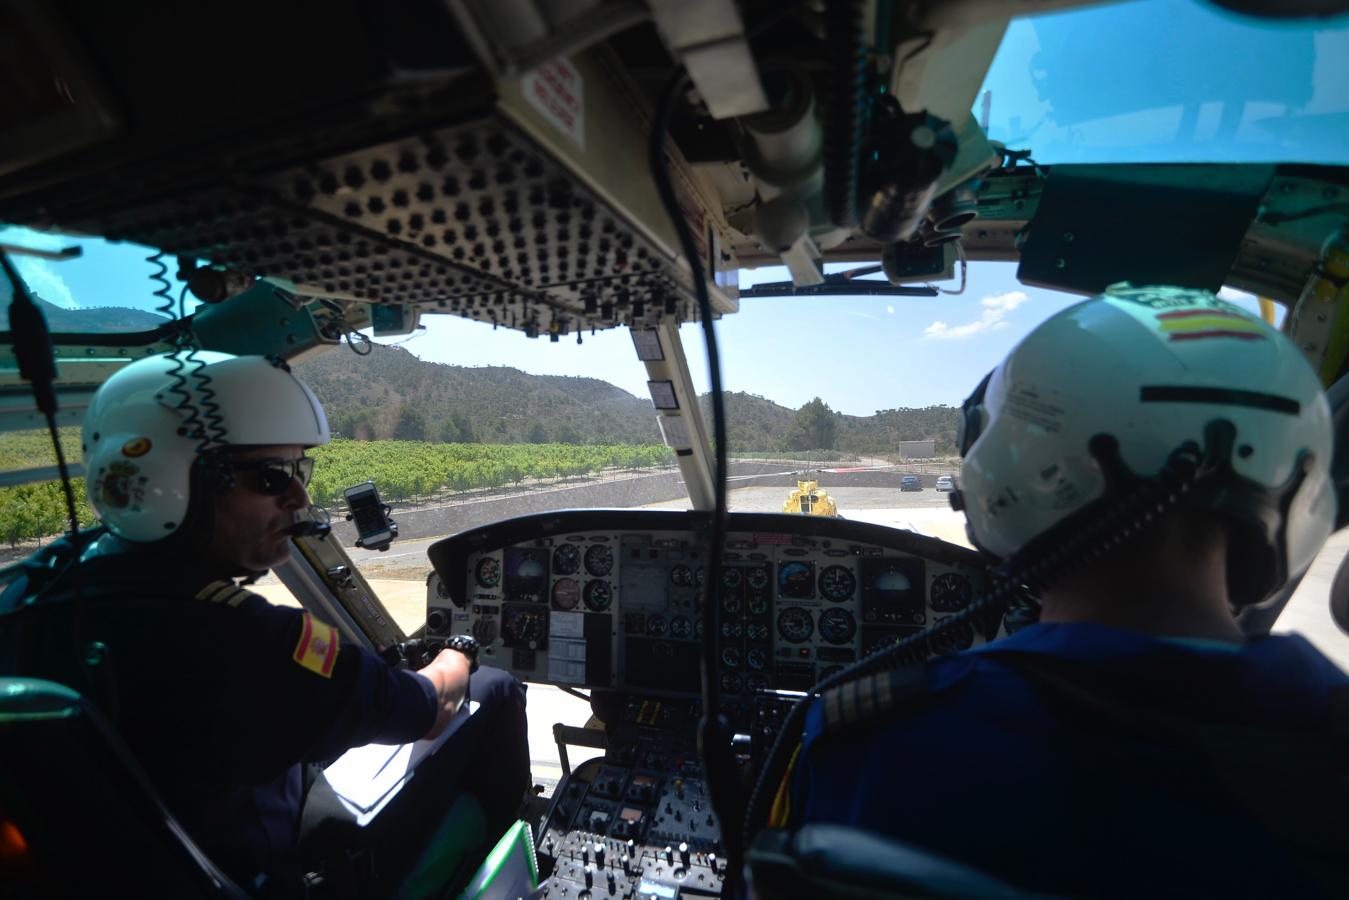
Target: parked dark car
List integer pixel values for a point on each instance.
(910, 483)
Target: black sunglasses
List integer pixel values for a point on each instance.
(275, 475)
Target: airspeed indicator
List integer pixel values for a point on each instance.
(837, 583)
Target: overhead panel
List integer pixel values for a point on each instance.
(535, 211)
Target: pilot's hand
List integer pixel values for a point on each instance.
(448, 672)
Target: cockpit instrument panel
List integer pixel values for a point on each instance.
(612, 598)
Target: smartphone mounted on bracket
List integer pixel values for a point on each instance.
(374, 529)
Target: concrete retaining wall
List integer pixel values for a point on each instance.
(452, 518)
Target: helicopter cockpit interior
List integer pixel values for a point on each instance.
(306, 175)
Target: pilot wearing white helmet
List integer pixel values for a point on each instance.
(1134, 742)
(196, 467)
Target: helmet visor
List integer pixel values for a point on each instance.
(972, 417)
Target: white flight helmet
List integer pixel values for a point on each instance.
(1153, 368)
(146, 425)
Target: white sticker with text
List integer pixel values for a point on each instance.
(555, 89)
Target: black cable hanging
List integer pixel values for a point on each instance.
(714, 729)
(37, 366)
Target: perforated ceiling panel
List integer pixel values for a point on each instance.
(471, 219)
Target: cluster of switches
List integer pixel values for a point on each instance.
(638, 828)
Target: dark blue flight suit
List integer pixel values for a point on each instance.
(224, 697)
(1001, 758)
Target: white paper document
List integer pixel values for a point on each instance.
(366, 778)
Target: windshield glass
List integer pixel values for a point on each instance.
(107, 289)
(1170, 81)
(845, 406)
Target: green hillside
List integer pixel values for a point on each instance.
(392, 394)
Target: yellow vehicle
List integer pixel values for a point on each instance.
(496, 183)
(810, 500)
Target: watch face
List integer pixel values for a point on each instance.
(465, 644)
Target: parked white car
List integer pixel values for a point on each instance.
(946, 483)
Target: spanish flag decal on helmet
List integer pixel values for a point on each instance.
(1198, 324)
(317, 649)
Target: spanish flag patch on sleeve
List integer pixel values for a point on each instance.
(317, 649)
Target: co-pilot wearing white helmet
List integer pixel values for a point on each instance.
(167, 439)
(1134, 742)
(195, 465)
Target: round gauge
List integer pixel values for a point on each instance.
(699, 576)
(656, 626)
(837, 626)
(730, 657)
(951, 592)
(837, 583)
(681, 576)
(959, 638)
(681, 627)
(566, 593)
(523, 627)
(731, 631)
(795, 625)
(758, 578)
(566, 559)
(599, 560)
(731, 603)
(757, 631)
(731, 578)
(731, 683)
(757, 682)
(488, 572)
(758, 604)
(757, 658)
(598, 595)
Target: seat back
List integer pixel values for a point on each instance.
(838, 862)
(78, 816)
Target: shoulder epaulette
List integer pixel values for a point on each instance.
(224, 592)
(872, 697)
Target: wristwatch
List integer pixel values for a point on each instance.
(467, 645)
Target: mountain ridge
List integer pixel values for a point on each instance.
(390, 393)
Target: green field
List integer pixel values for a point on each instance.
(403, 470)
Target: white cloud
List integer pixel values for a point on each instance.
(995, 309)
(45, 282)
(890, 310)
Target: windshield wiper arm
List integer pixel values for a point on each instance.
(61, 255)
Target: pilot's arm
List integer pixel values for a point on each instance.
(287, 690)
(448, 674)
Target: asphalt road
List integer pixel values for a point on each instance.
(753, 499)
